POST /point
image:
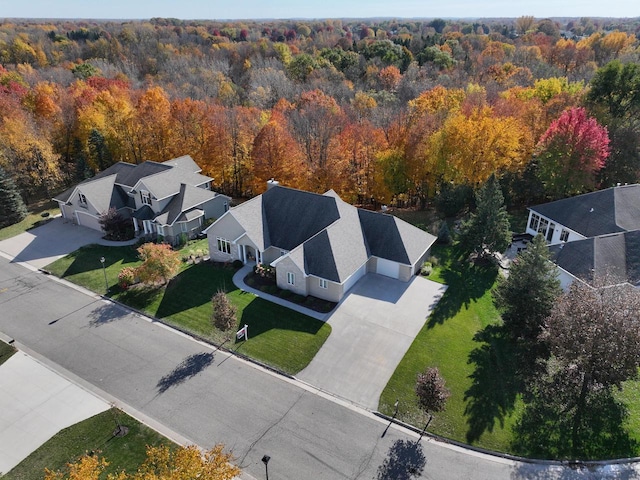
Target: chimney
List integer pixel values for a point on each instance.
(272, 183)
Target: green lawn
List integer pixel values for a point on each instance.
(94, 434)
(483, 400)
(278, 336)
(34, 219)
(6, 351)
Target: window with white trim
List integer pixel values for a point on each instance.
(160, 229)
(564, 235)
(552, 227)
(145, 197)
(226, 206)
(183, 227)
(542, 226)
(324, 283)
(533, 223)
(291, 278)
(224, 245)
(82, 199)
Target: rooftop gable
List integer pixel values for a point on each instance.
(188, 197)
(184, 162)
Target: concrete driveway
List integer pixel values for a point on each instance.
(35, 404)
(42, 245)
(372, 329)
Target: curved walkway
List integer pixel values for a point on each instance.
(238, 280)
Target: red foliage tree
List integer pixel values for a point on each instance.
(572, 150)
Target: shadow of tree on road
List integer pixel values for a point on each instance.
(405, 461)
(190, 367)
(105, 314)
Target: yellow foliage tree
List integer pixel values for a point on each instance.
(469, 148)
(162, 463)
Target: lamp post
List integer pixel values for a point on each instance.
(104, 270)
(265, 460)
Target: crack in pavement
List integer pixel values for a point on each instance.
(262, 435)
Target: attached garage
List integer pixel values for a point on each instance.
(87, 220)
(351, 281)
(387, 268)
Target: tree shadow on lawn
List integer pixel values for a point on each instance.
(194, 287)
(405, 461)
(535, 471)
(87, 258)
(496, 383)
(141, 296)
(466, 282)
(188, 368)
(545, 430)
(262, 315)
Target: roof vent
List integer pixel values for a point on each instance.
(591, 211)
(272, 183)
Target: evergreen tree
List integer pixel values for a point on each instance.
(11, 204)
(526, 297)
(488, 230)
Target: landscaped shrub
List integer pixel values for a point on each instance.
(444, 235)
(265, 271)
(224, 312)
(115, 226)
(237, 264)
(426, 269)
(127, 277)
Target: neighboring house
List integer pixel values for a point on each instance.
(593, 235)
(318, 244)
(170, 200)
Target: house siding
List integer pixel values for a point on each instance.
(214, 208)
(573, 236)
(285, 266)
(405, 273)
(418, 265)
(271, 254)
(228, 228)
(333, 293)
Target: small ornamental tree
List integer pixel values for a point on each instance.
(159, 263)
(571, 152)
(11, 203)
(488, 230)
(431, 392)
(224, 312)
(115, 226)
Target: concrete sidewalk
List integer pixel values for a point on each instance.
(238, 280)
(35, 404)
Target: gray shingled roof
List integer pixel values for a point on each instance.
(326, 236)
(130, 176)
(613, 210)
(615, 257)
(184, 162)
(187, 198)
(99, 192)
(167, 183)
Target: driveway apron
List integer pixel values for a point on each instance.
(372, 329)
(45, 244)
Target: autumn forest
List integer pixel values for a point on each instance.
(389, 111)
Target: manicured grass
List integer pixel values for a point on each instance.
(483, 401)
(6, 351)
(34, 219)
(94, 434)
(278, 336)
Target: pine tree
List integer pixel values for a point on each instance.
(488, 230)
(11, 204)
(526, 297)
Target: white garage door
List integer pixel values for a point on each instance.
(351, 281)
(89, 221)
(388, 268)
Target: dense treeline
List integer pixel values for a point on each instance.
(403, 111)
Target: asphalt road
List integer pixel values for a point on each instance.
(208, 397)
